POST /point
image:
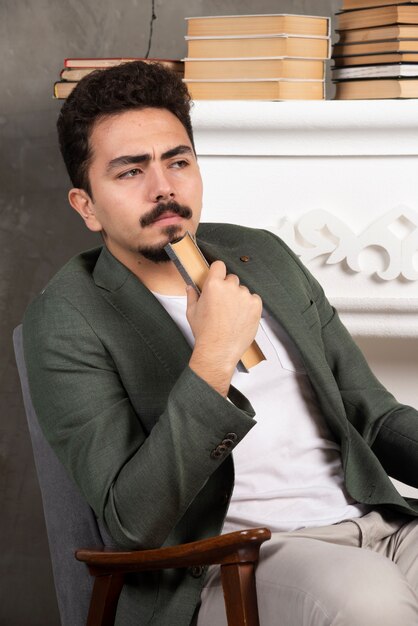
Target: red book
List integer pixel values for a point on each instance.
(173, 64)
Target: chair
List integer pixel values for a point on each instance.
(71, 523)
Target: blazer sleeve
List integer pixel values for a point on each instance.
(389, 427)
(139, 483)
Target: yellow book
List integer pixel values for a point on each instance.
(202, 69)
(378, 16)
(378, 33)
(258, 46)
(257, 25)
(268, 89)
(74, 74)
(375, 59)
(63, 88)
(363, 4)
(377, 89)
(376, 47)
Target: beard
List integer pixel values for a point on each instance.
(156, 253)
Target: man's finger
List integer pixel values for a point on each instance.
(233, 278)
(217, 270)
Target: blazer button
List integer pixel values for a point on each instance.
(215, 454)
(196, 571)
(232, 436)
(244, 258)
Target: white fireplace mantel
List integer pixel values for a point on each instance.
(308, 128)
(338, 181)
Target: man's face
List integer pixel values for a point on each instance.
(145, 182)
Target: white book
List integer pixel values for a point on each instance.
(376, 71)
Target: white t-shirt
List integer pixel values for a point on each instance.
(288, 470)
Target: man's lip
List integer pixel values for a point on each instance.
(167, 217)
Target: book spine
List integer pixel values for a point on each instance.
(179, 265)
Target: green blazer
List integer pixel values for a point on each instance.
(135, 427)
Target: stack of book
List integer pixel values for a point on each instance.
(257, 57)
(75, 69)
(377, 52)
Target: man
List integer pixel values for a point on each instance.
(131, 381)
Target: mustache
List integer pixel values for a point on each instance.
(162, 208)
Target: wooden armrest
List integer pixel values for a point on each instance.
(236, 553)
(239, 547)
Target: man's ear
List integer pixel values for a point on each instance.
(83, 204)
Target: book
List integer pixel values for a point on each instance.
(74, 74)
(376, 59)
(202, 69)
(189, 260)
(194, 269)
(257, 25)
(258, 46)
(173, 64)
(376, 88)
(375, 71)
(378, 16)
(76, 69)
(376, 47)
(363, 4)
(262, 89)
(378, 33)
(63, 88)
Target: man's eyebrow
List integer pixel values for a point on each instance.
(135, 159)
(128, 159)
(175, 151)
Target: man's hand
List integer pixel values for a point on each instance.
(224, 321)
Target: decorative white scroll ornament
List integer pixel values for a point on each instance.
(320, 232)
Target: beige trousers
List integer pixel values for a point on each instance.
(361, 572)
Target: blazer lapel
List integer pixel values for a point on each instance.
(141, 309)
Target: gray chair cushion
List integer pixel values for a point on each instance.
(70, 522)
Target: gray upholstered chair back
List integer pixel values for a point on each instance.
(70, 522)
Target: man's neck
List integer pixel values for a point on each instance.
(164, 279)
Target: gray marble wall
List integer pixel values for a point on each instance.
(38, 230)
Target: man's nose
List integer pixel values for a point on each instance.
(160, 186)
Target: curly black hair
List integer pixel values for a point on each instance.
(132, 85)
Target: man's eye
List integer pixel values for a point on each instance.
(180, 164)
(131, 173)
